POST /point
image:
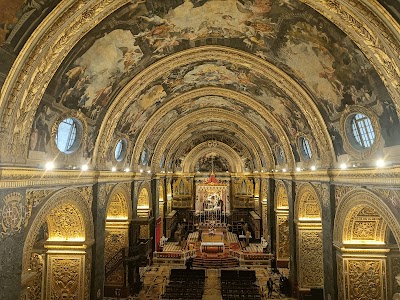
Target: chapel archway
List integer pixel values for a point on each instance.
(368, 256)
(282, 224)
(309, 250)
(57, 250)
(116, 242)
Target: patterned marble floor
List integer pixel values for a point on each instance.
(155, 277)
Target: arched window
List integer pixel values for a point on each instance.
(120, 150)
(363, 130)
(305, 148)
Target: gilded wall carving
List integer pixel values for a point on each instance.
(311, 273)
(281, 198)
(11, 215)
(104, 193)
(65, 278)
(144, 232)
(283, 238)
(33, 199)
(340, 277)
(118, 207)
(394, 264)
(340, 191)
(65, 222)
(365, 279)
(35, 282)
(115, 240)
(87, 193)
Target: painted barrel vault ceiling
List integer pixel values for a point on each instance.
(170, 76)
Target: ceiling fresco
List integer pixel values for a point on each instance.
(19, 18)
(290, 35)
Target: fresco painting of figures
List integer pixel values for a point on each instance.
(286, 33)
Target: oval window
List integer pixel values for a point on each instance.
(305, 148)
(68, 137)
(281, 155)
(363, 131)
(120, 150)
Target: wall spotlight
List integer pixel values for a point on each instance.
(127, 169)
(298, 169)
(141, 170)
(85, 167)
(49, 166)
(149, 171)
(343, 166)
(113, 169)
(380, 163)
(283, 170)
(313, 168)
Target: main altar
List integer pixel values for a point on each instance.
(212, 206)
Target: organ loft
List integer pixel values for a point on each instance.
(194, 149)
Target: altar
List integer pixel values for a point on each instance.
(212, 247)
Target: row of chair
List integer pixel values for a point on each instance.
(239, 285)
(185, 284)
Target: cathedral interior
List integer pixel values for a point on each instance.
(231, 134)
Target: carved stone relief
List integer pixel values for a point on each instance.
(311, 273)
(65, 277)
(365, 279)
(33, 199)
(340, 191)
(283, 239)
(115, 240)
(11, 215)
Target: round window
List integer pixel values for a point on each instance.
(281, 155)
(69, 134)
(363, 131)
(120, 150)
(305, 148)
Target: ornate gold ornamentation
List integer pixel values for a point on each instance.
(65, 278)
(65, 197)
(340, 191)
(34, 285)
(351, 204)
(115, 240)
(11, 214)
(33, 199)
(104, 192)
(365, 279)
(283, 239)
(87, 193)
(340, 277)
(281, 197)
(144, 232)
(310, 265)
(65, 223)
(307, 203)
(118, 207)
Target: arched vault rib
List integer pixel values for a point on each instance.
(248, 147)
(219, 114)
(224, 150)
(236, 57)
(213, 91)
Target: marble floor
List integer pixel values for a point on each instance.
(155, 277)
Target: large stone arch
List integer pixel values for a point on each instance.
(224, 150)
(236, 57)
(363, 197)
(116, 241)
(66, 246)
(309, 246)
(364, 254)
